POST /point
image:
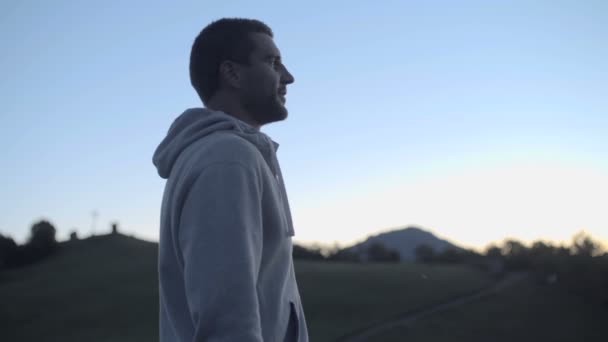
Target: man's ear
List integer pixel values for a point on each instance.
(230, 74)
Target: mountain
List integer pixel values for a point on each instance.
(404, 241)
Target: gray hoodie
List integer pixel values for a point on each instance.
(225, 253)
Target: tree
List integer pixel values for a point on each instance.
(343, 255)
(379, 253)
(450, 256)
(8, 251)
(583, 245)
(493, 252)
(42, 233)
(41, 242)
(544, 258)
(540, 249)
(424, 253)
(516, 255)
(303, 253)
(513, 248)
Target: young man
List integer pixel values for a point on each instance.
(225, 259)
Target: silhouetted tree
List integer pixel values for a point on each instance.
(516, 255)
(379, 253)
(424, 253)
(328, 250)
(540, 249)
(303, 253)
(73, 236)
(544, 259)
(41, 243)
(562, 251)
(8, 251)
(494, 252)
(583, 245)
(449, 256)
(458, 256)
(511, 248)
(43, 235)
(343, 255)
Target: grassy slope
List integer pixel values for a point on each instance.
(65, 299)
(340, 298)
(105, 289)
(526, 311)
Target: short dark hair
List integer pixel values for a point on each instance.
(223, 39)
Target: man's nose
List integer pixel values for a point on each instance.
(287, 77)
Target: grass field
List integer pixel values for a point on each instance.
(526, 311)
(341, 298)
(105, 289)
(100, 289)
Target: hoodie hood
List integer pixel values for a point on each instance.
(197, 123)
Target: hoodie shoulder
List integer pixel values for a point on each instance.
(214, 149)
(207, 136)
(227, 147)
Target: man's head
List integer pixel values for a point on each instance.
(234, 62)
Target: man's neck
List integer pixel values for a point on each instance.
(232, 108)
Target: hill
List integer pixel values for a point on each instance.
(105, 288)
(404, 241)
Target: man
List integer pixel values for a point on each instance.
(225, 255)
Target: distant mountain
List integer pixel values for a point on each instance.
(404, 241)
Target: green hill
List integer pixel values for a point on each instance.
(100, 289)
(105, 289)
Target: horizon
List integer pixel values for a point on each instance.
(474, 121)
(324, 245)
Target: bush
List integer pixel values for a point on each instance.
(8, 252)
(343, 255)
(303, 253)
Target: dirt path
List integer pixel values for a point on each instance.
(367, 334)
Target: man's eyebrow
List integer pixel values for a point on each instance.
(273, 56)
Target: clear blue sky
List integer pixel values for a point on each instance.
(477, 120)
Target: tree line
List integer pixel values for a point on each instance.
(40, 244)
(375, 252)
(581, 267)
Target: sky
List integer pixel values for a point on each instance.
(475, 120)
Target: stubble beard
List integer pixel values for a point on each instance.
(270, 110)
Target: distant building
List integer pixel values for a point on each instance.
(114, 228)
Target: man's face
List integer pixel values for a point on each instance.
(264, 82)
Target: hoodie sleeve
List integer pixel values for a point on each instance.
(220, 236)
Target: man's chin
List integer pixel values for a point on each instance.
(280, 112)
(273, 113)
(280, 115)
